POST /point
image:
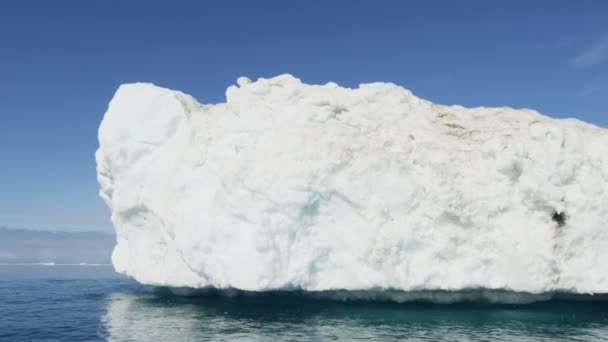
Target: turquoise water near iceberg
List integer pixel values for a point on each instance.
(85, 303)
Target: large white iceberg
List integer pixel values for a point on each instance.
(318, 187)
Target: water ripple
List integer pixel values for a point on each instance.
(151, 316)
(120, 310)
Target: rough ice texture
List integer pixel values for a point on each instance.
(316, 187)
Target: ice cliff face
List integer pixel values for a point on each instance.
(318, 187)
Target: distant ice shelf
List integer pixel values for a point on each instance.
(49, 264)
(289, 186)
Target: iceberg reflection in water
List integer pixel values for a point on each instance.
(287, 317)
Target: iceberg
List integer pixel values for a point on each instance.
(320, 188)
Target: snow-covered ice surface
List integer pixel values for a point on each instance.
(369, 191)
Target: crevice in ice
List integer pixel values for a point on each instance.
(135, 213)
(311, 209)
(454, 126)
(513, 171)
(337, 109)
(328, 195)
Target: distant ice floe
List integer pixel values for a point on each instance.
(369, 191)
(49, 264)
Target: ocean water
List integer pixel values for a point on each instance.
(92, 303)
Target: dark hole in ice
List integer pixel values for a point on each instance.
(559, 218)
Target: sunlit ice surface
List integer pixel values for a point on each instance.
(318, 187)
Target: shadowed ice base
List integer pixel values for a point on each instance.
(428, 296)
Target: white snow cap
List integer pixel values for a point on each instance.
(319, 187)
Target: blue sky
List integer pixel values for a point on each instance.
(61, 61)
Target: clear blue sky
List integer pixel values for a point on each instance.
(61, 61)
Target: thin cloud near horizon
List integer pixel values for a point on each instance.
(596, 54)
(31, 246)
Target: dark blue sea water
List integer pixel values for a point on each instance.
(84, 303)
